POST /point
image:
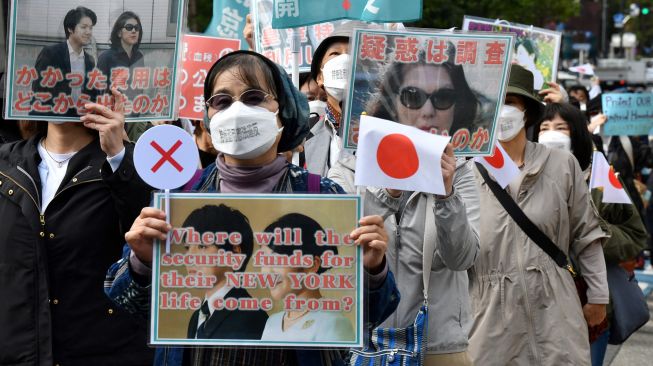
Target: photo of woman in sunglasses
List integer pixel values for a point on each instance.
(435, 98)
(442, 83)
(126, 36)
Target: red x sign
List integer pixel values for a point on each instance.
(166, 156)
(172, 145)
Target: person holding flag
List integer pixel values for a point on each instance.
(525, 300)
(457, 214)
(565, 127)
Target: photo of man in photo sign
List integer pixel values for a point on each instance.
(207, 322)
(62, 67)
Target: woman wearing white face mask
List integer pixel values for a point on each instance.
(255, 114)
(525, 304)
(330, 68)
(565, 127)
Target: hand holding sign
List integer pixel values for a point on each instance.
(371, 235)
(165, 157)
(149, 225)
(108, 122)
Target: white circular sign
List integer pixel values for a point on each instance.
(166, 157)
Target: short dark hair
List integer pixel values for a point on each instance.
(309, 244)
(580, 88)
(226, 219)
(117, 28)
(304, 77)
(582, 145)
(74, 16)
(465, 108)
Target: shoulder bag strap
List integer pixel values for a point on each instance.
(429, 243)
(533, 232)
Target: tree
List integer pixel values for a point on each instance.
(444, 14)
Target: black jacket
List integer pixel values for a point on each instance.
(231, 324)
(52, 306)
(58, 57)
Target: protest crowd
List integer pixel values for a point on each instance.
(487, 217)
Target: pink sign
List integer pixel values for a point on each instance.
(199, 54)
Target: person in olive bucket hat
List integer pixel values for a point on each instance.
(534, 302)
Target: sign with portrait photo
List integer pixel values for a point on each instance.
(63, 54)
(442, 82)
(536, 49)
(258, 270)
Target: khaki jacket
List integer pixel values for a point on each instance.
(526, 309)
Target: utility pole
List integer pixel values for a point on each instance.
(604, 28)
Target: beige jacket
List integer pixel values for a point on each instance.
(526, 309)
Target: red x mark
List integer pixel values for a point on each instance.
(166, 156)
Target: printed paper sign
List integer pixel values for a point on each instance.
(297, 13)
(276, 44)
(448, 83)
(628, 114)
(54, 70)
(259, 270)
(536, 49)
(199, 53)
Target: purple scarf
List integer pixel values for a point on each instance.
(238, 179)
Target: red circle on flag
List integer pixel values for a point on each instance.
(397, 156)
(613, 179)
(495, 160)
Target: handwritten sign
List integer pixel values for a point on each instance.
(628, 114)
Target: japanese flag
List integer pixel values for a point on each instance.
(502, 168)
(392, 155)
(586, 69)
(603, 176)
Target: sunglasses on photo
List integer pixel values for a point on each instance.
(251, 97)
(132, 27)
(415, 98)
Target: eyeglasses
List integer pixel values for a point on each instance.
(132, 27)
(251, 97)
(414, 98)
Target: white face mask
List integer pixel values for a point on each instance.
(243, 131)
(555, 140)
(318, 107)
(336, 76)
(511, 121)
